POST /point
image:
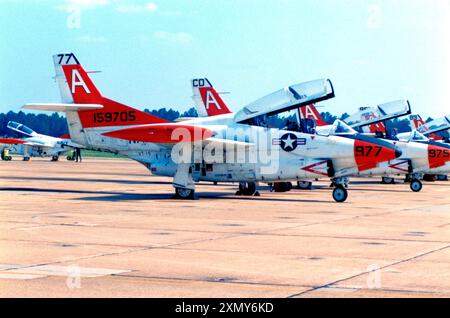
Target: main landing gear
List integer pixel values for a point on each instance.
(304, 185)
(387, 180)
(281, 187)
(55, 158)
(184, 193)
(247, 188)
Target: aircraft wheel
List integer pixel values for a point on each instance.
(416, 185)
(55, 158)
(340, 194)
(247, 188)
(387, 180)
(282, 186)
(184, 194)
(26, 158)
(304, 185)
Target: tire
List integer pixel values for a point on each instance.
(282, 186)
(247, 188)
(387, 180)
(416, 185)
(26, 158)
(184, 194)
(304, 185)
(340, 194)
(55, 158)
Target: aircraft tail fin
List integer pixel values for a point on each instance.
(76, 87)
(207, 100)
(310, 111)
(416, 122)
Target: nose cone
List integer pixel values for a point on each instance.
(369, 152)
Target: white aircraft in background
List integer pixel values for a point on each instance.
(235, 147)
(35, 145)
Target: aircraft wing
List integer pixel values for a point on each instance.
(162, 133)
(170, 134)
(16, 141)
(12, 141)
(435, 126)
(288, 98)
(371, 115)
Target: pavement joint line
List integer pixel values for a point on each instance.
(390, 290)
(367, 272)
(106, 254)
(238, 282)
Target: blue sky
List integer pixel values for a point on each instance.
(373, 51)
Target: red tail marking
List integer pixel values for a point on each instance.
(377, 127)
(213, 102)
(310, 111)
(112, 114)
(418, 123)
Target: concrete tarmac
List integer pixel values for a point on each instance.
(107, 228)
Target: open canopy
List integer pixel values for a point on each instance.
(372, 115)
(286, 99)
(20, 128)
(434, 126)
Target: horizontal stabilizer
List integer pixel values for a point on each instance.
(58, 107)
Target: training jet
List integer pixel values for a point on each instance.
(35, 144)
(420, 155)
(234, 147)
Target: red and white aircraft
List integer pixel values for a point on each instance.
(35, 145)
(234, 147)
(420, 155)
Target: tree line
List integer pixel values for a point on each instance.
(55, 124)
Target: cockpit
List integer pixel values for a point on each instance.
(417, 136)
(338, 128)
(414, 136)
(20, 128)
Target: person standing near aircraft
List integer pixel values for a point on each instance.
(77, 154)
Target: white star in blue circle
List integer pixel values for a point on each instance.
(288, 142)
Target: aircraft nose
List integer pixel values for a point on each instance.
(370, 151)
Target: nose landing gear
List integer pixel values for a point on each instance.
(416, 185)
